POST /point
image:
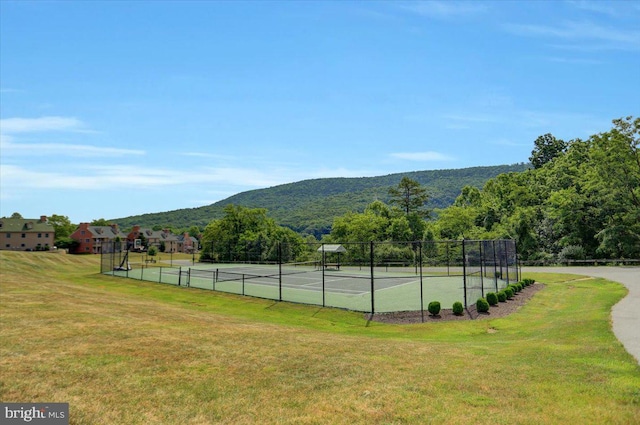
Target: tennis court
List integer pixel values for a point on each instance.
(368, 277)
(353, 288)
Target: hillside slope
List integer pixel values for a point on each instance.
(309, 206)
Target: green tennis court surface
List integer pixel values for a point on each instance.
(353, 288)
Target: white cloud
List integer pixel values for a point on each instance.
(444, 9)
(473, 118)
(13, 145)
(421, 156)
(595, 35)
(576, 61)
(611, 9)
(43, 124)
(9, 147)
(131, 178)
(10, 90)
(208, 155)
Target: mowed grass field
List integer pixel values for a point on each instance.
(129, 352)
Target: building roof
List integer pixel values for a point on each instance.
(108, 232)
(182, 238)
(161, 235)
(332, 248)
(25, 225)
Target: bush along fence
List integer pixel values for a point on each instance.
(492, 299)
(372, 277)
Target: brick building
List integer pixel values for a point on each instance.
(91, 238)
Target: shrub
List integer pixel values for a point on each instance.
(572, 252)
(529, 282)
(492, 298)
(508, 292)
(458, 308)
(482, 305)
(502, 296)
(434, 307)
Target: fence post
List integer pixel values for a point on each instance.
(371, 247)
(447, 251)
(421, 289)
(322, 267)
(280, 270)
(515, 253)
(481, 269)
(495, 272)
(464, 273)
(179, 276)
(506, 257)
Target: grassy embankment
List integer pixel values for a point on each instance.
(123, 351)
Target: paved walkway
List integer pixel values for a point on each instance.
(625, 314)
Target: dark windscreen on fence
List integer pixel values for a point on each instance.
(372, 277)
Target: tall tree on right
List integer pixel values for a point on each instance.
(547, 147)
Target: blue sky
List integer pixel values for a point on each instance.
(111, 109)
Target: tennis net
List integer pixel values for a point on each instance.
(255, 271)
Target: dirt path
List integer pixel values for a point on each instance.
(626, 314)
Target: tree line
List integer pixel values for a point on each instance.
(580, 199)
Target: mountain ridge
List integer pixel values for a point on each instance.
(309, 206)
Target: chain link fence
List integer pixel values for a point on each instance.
(372, 277)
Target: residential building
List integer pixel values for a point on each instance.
(148, 237)
(187, 244)
(30, 234)
(91, 239)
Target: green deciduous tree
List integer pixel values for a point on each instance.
(63, 230)
(245, 234)
(547, 147)
(62, 225)
(456, 223)
(582, 196)
(614, 184)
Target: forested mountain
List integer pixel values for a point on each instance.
(310, 206)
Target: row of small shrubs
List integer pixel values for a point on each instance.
(493, 298)
(434, 308)
(483, 304)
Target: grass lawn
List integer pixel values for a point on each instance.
(129, 352)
